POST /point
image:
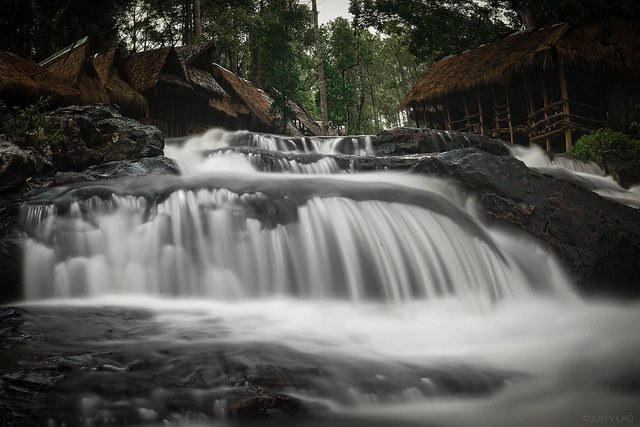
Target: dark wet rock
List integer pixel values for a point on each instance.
(16, 165)
(33, 380)
(623, 166)
(256, 403)
(158, 165)
(98, 133)
(403, 141)
(597, 240)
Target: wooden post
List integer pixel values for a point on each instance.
(448, 117)
(506, 95)
(480, 112)
(565, 105)
(530, 107)
(545, 97)
(466, 114)
(424, 116)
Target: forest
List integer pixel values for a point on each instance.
(368, 63)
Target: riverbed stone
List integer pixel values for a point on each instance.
(98, 133)
(403, 141)
(596, 239)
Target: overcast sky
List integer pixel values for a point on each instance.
(331, 9)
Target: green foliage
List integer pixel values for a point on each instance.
(28, 128)
(591, 147)
(434, 28)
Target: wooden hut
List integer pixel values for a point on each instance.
(542, 86)
(73, 66)
(112, 72)
(160, 77)
(251, 105)
(211, 106)
(22, 81)
(303, 124)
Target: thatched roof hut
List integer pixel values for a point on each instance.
(304, 123)
(531, 67)
(112, 72)
(73, 66)
(22, 81)
(147, 69)
(254, 100)
(197, 61)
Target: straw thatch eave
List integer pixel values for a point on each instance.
(198, 55)
(112, 72)
(22, 81)
(147, 68)
(305, 118)
(73, 67)
(205, 81)
(254, 99)
(505, 59)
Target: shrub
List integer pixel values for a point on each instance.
(591, 146)
(29, 128)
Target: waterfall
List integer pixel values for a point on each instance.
(369, 298)
(386, 237)
(224, 230)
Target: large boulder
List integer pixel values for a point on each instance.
(598, 240)
(16, 165)
(403, 141)
(623, 166)
(94, 134)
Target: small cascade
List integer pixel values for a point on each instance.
(583, 172)
(351, 239)
(536, 157)
(351, 145)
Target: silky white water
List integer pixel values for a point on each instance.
(387, 282)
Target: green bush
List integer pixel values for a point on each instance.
(591, 147)
(28, 128)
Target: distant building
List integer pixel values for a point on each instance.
(543, 86)
(180, 90)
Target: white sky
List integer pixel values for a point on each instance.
(331, 9)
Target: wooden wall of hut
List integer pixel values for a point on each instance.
(550, 107)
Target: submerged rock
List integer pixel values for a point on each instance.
(403, 141)
(598, 240)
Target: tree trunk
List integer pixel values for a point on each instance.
(197, 20)
(188, 22)
(361, 78)
(259, 60)
(321, 80)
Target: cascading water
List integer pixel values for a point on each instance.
(375, 298)
(583, 172)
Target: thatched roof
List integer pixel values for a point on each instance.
(255, 99)
(22, 81)
(197, 61)
(112, 72)
(148, 68)
(198, 55)
(500, 61)
(72, 65)
(303, 116)
(204, 80)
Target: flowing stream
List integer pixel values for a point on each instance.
(376, 298)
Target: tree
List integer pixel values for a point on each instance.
(322, 87)
(39, 28)
(434, 27)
